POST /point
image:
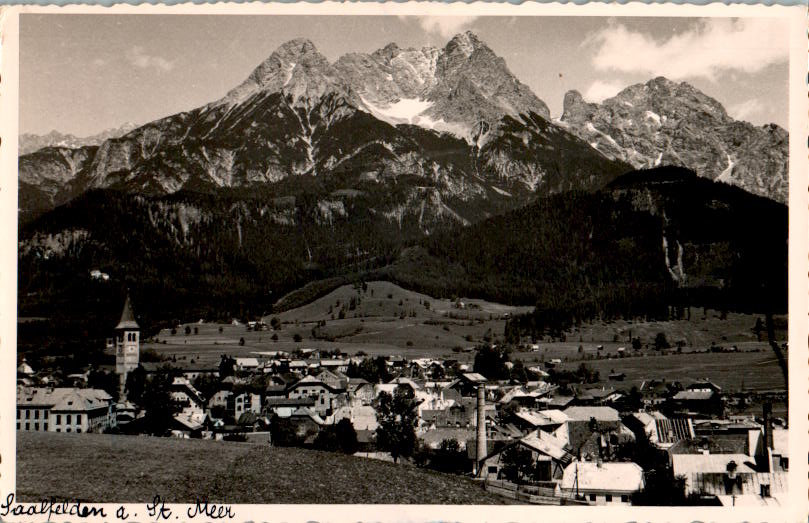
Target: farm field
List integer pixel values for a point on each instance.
(385, 319)
(78, 467)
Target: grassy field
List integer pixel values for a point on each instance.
(386, 319)
(95, 468)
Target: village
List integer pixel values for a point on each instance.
(527, 432)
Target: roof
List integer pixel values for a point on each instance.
(547, 444)
(690, 395)
(63, 399)
(288, 402)
(586, 413)
(473, 377)
(247, 362)
(610, 476)
(127, 320)
(435, 436)
(539, 419)
(710, 463)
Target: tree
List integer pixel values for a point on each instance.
(283, 432)
(297, 338)
(491, 362)
(346, 436)
(518, 373)
(136, 385)
(105, 381)
(661, 342)
(636, 344)
(275, 323)
(397, 418)
(227, 366)
(159, 405)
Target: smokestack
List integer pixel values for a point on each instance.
(481, 432)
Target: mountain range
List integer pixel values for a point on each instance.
(310, 169)
(29, 142)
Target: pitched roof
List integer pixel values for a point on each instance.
(63, 399)
(547, 444)
(710, 463)
(127, 320)
(690, 395)
(585, 413)
(611, 476)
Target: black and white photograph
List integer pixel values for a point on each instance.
(382, 258)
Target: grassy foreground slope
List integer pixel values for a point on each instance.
(95, 468)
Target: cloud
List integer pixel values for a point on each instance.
(600, 91)
(138, 57)
(746, 110)
(446, 26)
(714, 45)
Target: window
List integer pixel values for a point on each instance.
(68, 419)
(27, 414)
(58, 429)
(45, 428)
(609, 498)
(19, 415)
(624, 498)
(78, 429)
(592, 497)
(18, 425)
(58, 419)
(78, 419)
(27, 426)
(36, 414)
(765, 491)
(36, 426)
(67, 429)
(492, 469)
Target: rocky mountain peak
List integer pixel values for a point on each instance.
(662, 122)
(296, 68)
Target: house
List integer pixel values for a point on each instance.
(246, 402)
(284, 407)
(185, 395)
(547, 420)
(696, 401)
(361, 417)
(467, 383)
(42, 409)
(336, 365)
(593, 431)
(602, 483)
(729, 477)
(325, 395)
(433, 437)
(247, 364)
(361, 391)
(659, 430)
(548, 454)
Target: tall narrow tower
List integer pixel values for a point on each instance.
(481, 429)
(127, 343)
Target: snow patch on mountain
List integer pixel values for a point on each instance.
(406, 110)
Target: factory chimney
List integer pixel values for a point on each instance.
(481, 429)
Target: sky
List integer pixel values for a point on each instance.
(81, 74)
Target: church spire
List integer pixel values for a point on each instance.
(127, 321)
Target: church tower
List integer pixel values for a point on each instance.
(127, 342)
